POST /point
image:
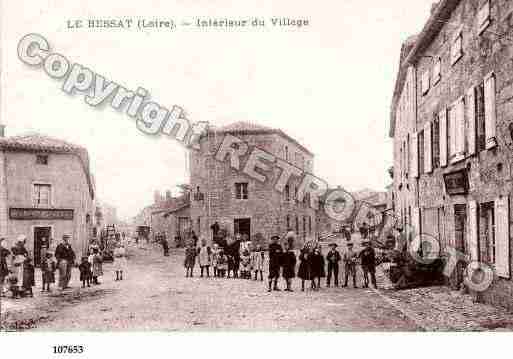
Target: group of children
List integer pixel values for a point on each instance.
(224, 262)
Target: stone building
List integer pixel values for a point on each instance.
(171, 215)
(241, 204)
(452, 125)
(46, 190)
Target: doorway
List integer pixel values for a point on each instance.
(243, 227)
(460, 238)
(42, 237)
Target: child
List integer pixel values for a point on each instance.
(204, 258)
(316, 268)
(222, 264)
(28, 277)
(304, 267)
(85, 272)
(96, 260)
(289, 266)
(215, 257)
(120, 261)
(333, 257)
(48, 268)
(257, 262)
(245, 262)
(12, 279)
(190, 260)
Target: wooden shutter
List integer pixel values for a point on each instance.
(471, 120)
(442, 119)
(473, 231)
(415, 222)
(428, 151)
(458, 130)
(490, 111)
(502, 260)
(414, 155)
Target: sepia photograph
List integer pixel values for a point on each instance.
(254, 167)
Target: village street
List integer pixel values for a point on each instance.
(157, 296)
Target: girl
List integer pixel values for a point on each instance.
(245, 261)
(48, 268)
(204, 258)
(120, 261)
(222, 264)
(257, 262)
(304, 267)
(190, 260)
(289, 265)
(28, 277)
(317, 268)
(215, 257)
(85, 272)
(96, 261)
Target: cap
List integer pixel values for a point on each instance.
(275, 237)
(66, 235)
(333, 245)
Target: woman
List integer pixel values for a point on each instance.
(19, 254)
(317, 268)
(304, 267)
(120, 261)
(96, 261)
(4, 268)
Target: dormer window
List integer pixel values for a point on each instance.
(42, 160)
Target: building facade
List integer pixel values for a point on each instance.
(241, 204)
(452, 125)
(46, 190)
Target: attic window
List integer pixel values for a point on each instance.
(42, 159)
(483, 17)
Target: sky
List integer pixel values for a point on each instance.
(328, 84)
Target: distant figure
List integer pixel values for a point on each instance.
(245, 264)
(350, 259)
(204, 258)
(65, 260)
(257, 262)
(222, 264)
(165, 245)
(317, 270)
(48, 268)
(275, 253)
(304, 267)
(364, 230)
(28, 277)
(289, 265)
(190, 260)
(368, 260)
(120, 261)
(96, 261)
(4, 269)
(333, 258)
(215, 230)
(85, 272)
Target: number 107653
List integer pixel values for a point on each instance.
(68, 349)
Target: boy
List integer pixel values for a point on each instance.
(245, 262)
(333, 257)
(368, 260)
(350, 264)
(257, 262)
(222, 264)
(48, 268)
(190, 260)
(85, 272)
(289, 265)
(28, 277)
(275, 253)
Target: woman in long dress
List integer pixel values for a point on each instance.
(19, 254)
(120, 261)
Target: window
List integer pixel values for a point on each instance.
(490, 110)
(437, 71)
(480, 117)
(42, 159)
(425, 82)
(456, 133)
(487, 232)
(288, 222)
(241, 190)
(297, 225)
(310, 225)
(457, 47)
(421, 151)
(295, 193)
(42, 194)
(304, 225)
(436, 142)
(483, 17)
(286, 153)
(287, 193)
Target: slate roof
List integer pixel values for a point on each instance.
(36, 142)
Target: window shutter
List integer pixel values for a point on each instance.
(458, 131)
(415, 222)
(428, 152)
(442, 119)
(490, 111)
(414, 155)
(473, 231)
(502, 264)
(471, 118)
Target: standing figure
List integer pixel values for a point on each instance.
(28, 277)
(120, 261)
(289, 265)
(65, 259)
(234, 253)
(257, 262)
(48, 268)
(350, 259)
(85, 272)
(96, 261)
(333, 257)
(368, 261)
(190, 260)
(4, 268)
(19, 254)
(304, 267)
(165, 245)
(317, 268)
(275, 253)
(245, 263)
(364, 230)
(215, 257)
(204, 258)
(222, 264)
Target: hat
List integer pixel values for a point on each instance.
(350, 244)
(22, 238)
(66, 235)
(333, 245)
(275, 237)
(365, 241)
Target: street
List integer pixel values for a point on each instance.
(156, 296)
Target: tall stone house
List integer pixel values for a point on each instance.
(452, 127)
(241, 204)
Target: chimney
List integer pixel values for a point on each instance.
(2, 130)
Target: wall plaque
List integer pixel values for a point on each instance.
(40, 213)
(456, 182)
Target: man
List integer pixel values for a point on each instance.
(165, 246)
(65, 259)
(368, 259)
(364, 230)
(275, 253)
(350, 258)
(4, 268)
(333, 257)
(234, 251)
(215, 230)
